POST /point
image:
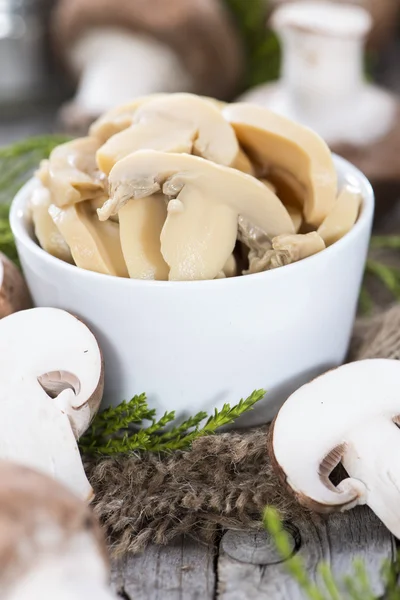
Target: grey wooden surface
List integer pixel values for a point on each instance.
(246, 566)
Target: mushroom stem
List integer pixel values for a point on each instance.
(376, 464)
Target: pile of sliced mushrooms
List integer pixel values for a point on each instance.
(181, 187)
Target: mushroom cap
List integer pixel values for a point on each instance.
(174, 123)
(277, 142)
(317, 425)
(206, 199)
(14, 293)
(52, 382)
(40, 518)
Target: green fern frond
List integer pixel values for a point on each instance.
(122, 429)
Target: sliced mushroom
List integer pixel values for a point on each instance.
(296, 216)
(348, 415)
(119, 118)
(176, 123)
(286, 249)
(73, 174)
(94, 245)
(243, 163)
(14, 294)
(342, 216)
(48, 235)
(51, 374)
(51, 546)
(280, 143)
(206, 199)
(141, 223)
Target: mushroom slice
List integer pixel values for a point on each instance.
(14, 294)
(119, 118)
(34, 345)
(95, 246)
(297, 217)
(176, 123)
(206, 199)
(286, 249)
(73, 175)
(141, 223)
(347, 414)
(49, 237)
(243, 163)
(277, 142)
(342, 216)
(51, 546)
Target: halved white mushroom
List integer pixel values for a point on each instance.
(176, 123)
(94, 245)
(14, 294)
(286, 249)
(205, 200)
(51, 546)
(349, 415)
(278, 143)
(51, 374)
(73, 174)
(342, 217)
(48, 235)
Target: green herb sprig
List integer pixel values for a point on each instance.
(355, 586)
(122, 429)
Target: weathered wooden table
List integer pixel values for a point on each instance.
(245, 565)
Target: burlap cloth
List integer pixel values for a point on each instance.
(225, 481)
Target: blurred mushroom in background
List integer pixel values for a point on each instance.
(117, 50)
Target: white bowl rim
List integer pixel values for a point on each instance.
(342, 165)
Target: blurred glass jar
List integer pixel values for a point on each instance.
(23, 62)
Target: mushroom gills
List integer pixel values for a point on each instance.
(342, 217)
(285, 250)
(141, 223)
(205, 200)
(94, 245)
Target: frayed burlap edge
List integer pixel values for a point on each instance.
(225, 481)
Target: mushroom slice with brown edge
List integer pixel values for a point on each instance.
(285, 250)
(73, 174)
(347, 415)
(51, 374)
(141, 223)
(14, 294)
(176, 123)
(51, 546)
(277, 142)
(95, 246)
(205, 200)
(342, 217)
(49, 237)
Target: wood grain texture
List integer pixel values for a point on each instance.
(337, 540)
(184, 570)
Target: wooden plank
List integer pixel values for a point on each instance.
(336, 540)
(184, 570)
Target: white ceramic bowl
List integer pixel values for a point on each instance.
(194, 345)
